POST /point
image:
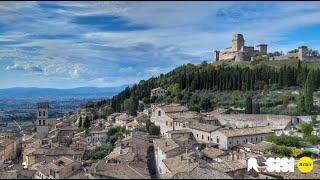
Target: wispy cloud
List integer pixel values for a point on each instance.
(114, 43)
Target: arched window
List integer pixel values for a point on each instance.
(159, 113)
(39, 113)
(44, 113)
(39, 122)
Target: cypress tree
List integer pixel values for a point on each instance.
(308, 92)
(248, 109)
(300, 104)
(80, 122)
(86, 123)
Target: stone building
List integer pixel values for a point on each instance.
(229, 138)
(58, 169)
(238, 51)
(158, 92)
(97, 133)
(303, 54)
(42, 120)
(10, 148)
(165, 148)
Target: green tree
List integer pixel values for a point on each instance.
(308, 92)
(141, 107)
(205, 103)
(154, 130)
(314, 120)
(281, 151)
(306, 129)
(131, 106)
(248, 109)
(300, 104)
(86, 123)
(107, 111)
(256, 108)
(174, 88)
(284, 140)
(235, 96)
(80, 122)
(312, 139)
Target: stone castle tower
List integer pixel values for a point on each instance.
(237, 42)
(302, 53)
(42, 120)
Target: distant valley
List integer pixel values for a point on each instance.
(19, 103)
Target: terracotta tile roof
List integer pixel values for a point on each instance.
(212, 152)
(60, 163)
(173, 108)
(228, 166)
(203, 127)
(202, 173)
(181, 131)
(120, 170)
(179, 164)
(254, 117)
(122, 154)
(246, 131)
(166, 144)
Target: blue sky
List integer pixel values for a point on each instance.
(105, 44)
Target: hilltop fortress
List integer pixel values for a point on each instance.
(239, 52)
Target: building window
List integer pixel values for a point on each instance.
(261, 138)
(166, 123)
(197, 136)
(251, 139)
(218, 140)
(39, 122)
(256, 139)
(159, 113)
(171, 124)
(237, 142)
(208, 138)
(246, 140)
(39, 113)
(202, 136)
(44, 113)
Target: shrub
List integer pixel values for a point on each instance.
(292, 141)
(312, 139)
(281, 151)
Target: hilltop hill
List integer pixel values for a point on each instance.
(220, 77)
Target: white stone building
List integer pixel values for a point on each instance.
(164, 148)
(204, 133)
(228, 138)
(96, 134)
(158, 92)
(161, 116)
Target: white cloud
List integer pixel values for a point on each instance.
(180, 32)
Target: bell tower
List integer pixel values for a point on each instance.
(42, 120)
